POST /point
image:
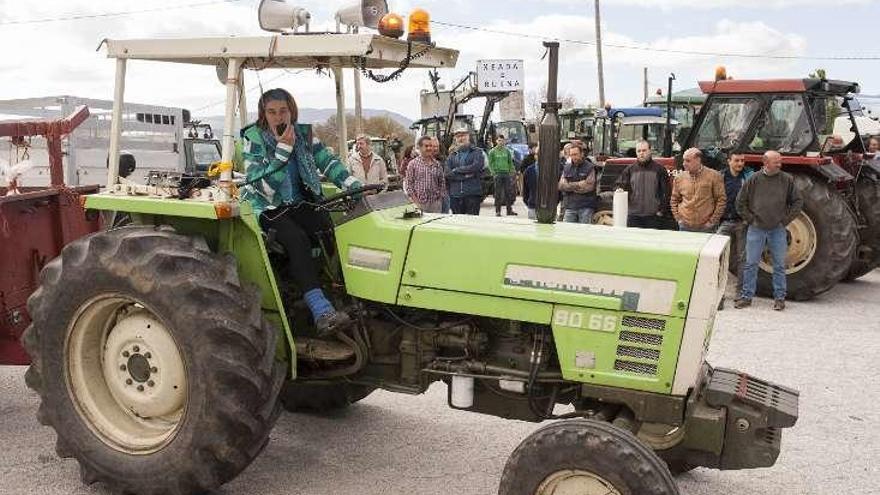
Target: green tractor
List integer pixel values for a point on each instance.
(162, 350)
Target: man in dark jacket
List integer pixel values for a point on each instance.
(464, 168)
(648, 186)
(578, 187)
(530, 187)
(768, 202)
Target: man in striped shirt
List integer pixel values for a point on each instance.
(425, 177)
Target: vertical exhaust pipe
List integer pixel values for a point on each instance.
(548, 140)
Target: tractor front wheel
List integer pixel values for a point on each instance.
(153, 363)
(585, 457)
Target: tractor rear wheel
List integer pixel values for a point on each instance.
(822, 243)
(868, 257)
(585, 457)
(153, 362)
(320, 397)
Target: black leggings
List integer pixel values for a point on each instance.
(298, 229)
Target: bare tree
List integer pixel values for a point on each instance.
(381, 126)
(535, 98)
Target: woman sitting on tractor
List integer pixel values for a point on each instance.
(283, 185)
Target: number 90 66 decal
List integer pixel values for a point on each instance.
(587, 320)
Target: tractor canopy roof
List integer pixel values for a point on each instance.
(690, 96)
(646, 119)
(288, 51)
(635, 112)
(822, 86)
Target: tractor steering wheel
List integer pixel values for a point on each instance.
(344, 201)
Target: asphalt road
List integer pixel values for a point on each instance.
(827, 348)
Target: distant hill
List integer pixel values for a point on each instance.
(308, 116)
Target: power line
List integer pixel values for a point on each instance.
(650, 49)
(78, 17)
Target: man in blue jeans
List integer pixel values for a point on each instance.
(768, 201)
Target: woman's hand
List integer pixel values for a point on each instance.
(288, 137)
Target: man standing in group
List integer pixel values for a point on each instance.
(578, 187)
(464, 168)
(502, 169)
(735, 175)
(648, 185)
(366, 166)
(768, 202)
(874, 146)
(698, 197)
(425, 177)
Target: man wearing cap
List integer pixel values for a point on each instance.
(464, 168)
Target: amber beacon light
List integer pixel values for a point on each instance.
(419, 26)
(391, 25)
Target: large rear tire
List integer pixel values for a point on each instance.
(153, 363)
(868, 256)
(321, 398)
(585, 457)
(822, 243)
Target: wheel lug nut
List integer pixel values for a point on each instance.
(136, 349)
(128, 382)
(148, 355)
(140, 388)
(151, 383)
(122, 367)
(154, 369)
(125, 354)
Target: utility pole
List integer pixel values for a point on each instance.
(599, 57)
(645, 81)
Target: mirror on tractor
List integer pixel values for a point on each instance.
(281, 17)
(365, 13)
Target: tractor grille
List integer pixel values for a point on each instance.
(641, 338)
(646, 323)
(639, 368)
(640, 343)
(638, 352)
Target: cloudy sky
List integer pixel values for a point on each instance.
(42, 57)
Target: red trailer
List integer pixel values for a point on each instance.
(34, 225)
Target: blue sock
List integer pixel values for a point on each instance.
(318, 303)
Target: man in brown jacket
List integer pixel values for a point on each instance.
(698, 197)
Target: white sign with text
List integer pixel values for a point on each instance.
(500, 75)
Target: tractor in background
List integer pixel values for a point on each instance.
(837, 236)
(35, 223)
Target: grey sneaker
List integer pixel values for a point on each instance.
(742, 303)
(779, 304)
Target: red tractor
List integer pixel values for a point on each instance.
(35, 223)
(837, 237)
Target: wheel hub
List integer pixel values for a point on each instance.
(127, 375)
(575, 482)
(139, 368)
